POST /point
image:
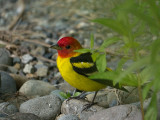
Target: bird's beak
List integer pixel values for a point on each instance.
(55, 46)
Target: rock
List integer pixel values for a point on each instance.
(8, 108)
(28, 68)
(49, 35)
(5, 59)
(12, 70)
(16, 60)
(104, 98)
(122, 112)
(17, 66)
(24, 116)
(66, 87)
(130, 97)
(8, 84)
(48, 55)
(36, 87)
(3, 118)
(101, 98)
(3, 115)
(26, 58)
(39, 51)
(20, 80)
(74, 106)
(67, 117)
(45, 79)
(42, 70)
(82, 25)
(112, 97)
(58, 93)
(46, 107)
(72, 31)
(60, 25)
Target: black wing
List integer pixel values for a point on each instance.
(84, 65)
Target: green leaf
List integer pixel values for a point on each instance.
(146, 89)
(95, 55)
(120, 64)
(101, 62)
(65, 95)
(155, 50)
(113, 24)
(83, 50)
(68, 95)
(129, 80)
(108, 42)
(142, 16)
(151, 113)
(92, 41)
(154, 8)
(135, 66)
(76, 94)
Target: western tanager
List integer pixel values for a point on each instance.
(76, 67)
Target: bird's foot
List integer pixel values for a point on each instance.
(87, 106)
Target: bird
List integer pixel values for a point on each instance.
(75, 67)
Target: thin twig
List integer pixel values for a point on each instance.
(43, 58)
(15, 21)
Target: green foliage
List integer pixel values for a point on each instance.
(65, 95)
(134, 21)
(68, 95)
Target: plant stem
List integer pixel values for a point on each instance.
(140, 95)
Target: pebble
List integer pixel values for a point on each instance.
(66, 87)
(46, 107)
(48, 55)
(17, 66)
(12, 70)
(60, 25)
(130, 97)
(8, 108)
(109, 98)
(104, 98)
(58, 93)
(49, 35)
(28, 68)
(39, 51)
(42, 70)
(5, 59)
(16, 60)
(3, 115)
(20, 79)
(121, 112)
(8, 84)
(67, 117)
(24, 116)
(26, 58)
(74, 106)
(36, 87)
(82, 25)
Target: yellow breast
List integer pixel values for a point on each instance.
(74, 79)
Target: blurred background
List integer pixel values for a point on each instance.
(29, 27)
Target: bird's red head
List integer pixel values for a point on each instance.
(66, 46)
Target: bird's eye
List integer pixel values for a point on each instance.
(68, 47)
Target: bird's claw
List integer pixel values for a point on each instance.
(87, 106)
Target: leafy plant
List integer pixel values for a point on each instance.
(68, 95)
(137, 23)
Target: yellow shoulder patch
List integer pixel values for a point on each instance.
(83, 64)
